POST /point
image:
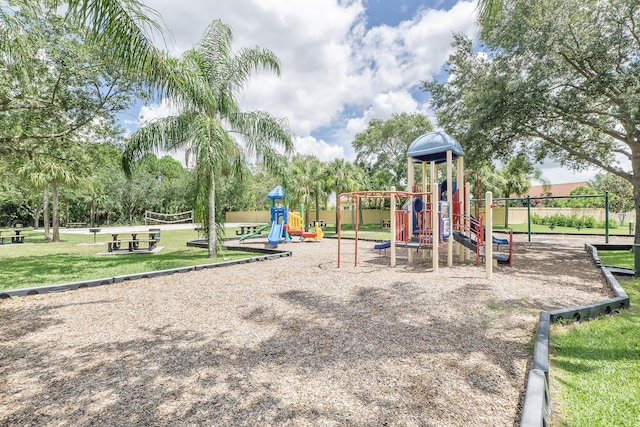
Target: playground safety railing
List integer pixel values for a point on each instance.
(401, 231)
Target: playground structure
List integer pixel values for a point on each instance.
(436, 213)
(285, 223)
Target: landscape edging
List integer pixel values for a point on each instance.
(537, 402)
(268, 254)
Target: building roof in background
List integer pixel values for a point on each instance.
(555, 189)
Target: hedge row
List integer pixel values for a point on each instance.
(571, 221)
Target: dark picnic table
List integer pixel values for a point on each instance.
(133, 242)
(247, 228)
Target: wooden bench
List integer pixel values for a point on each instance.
(15, 238)
(133, 244)
(386, 224)
(76, 224)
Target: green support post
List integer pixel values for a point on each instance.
(606, 217)
(529, 216)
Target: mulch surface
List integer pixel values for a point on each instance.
(292, 342)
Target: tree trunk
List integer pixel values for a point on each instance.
(506, 213)
(635, 180)
(305, 226)
(45, 201)
(56, 212)
(211, 219)
(36, 218)
(317, 208)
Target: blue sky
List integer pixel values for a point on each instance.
(344, 62)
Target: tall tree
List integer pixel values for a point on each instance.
(213, 69)
(74, 88)
(383, 145)
(559, 79)
(307, 184)
(124, 28)
(620, 191)
(62, 165)
(344, 177)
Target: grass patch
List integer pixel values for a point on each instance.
(596, 365)
(617, 258)
(369, 231)
(41, 263)
(539, 228)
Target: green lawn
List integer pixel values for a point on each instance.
(369, 231)
(40, 263)
(617, 258)
(596, 366)
(539, 228)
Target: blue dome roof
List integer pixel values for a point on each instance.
(433, 147)
(276, 193)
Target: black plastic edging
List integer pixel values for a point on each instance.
(271, 254)
(537, 403)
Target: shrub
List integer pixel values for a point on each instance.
(612, 224)
(588, 221)
(560, 220)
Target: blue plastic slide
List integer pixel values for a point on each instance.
(275, 234)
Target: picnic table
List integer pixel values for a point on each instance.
(248, 228)
(386, 223)
(133, 242)
(321, 223)
(15, 235)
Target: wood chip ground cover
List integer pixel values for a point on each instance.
(291, 342)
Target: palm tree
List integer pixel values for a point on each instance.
(489, 11)
(516, 180)
(63, 167)
(344, 177)
(306, 183)
(125, 30)
(216, 74)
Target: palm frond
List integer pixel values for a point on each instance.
(163, 134)
(261, 130)
(247, 61)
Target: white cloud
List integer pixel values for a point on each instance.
(331, 62)
(319, 148)
(384, 105)
(157, 111)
